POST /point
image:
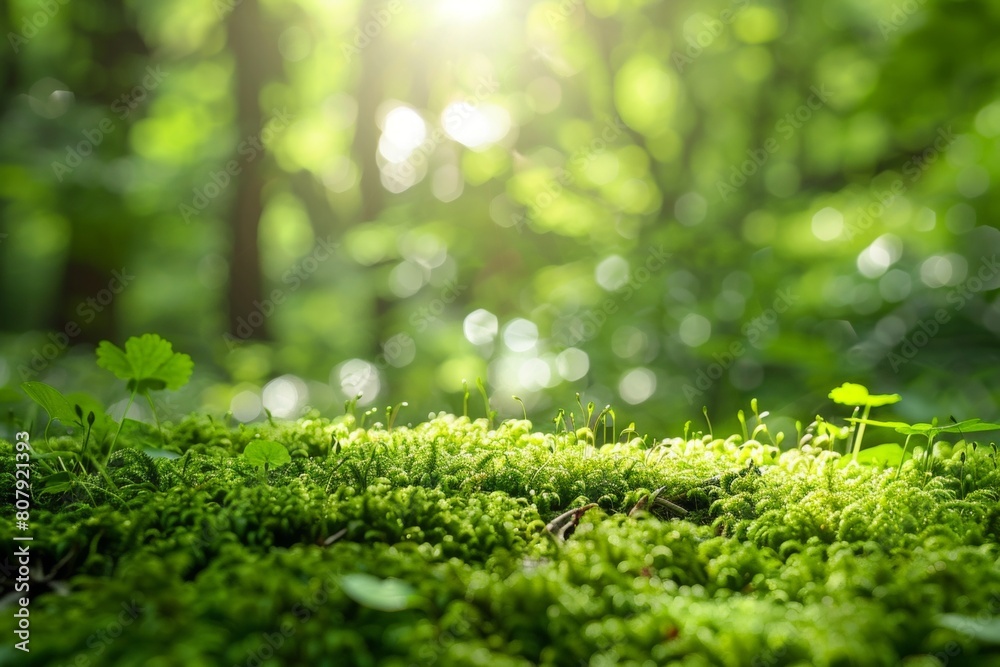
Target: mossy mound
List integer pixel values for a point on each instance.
(429, 546)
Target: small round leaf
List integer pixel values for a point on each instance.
(267, 452)
(381, 594)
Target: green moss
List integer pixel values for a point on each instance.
(764, 559)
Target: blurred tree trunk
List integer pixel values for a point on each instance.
(97, 267)
(370, 93)
(81, 294)
(246, 40)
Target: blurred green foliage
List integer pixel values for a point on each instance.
(659, 205)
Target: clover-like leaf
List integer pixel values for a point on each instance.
(381, 594)
(267, 453)
(54, 402)
(147, 362)
(850, 393)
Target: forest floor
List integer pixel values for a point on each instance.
(460, 542)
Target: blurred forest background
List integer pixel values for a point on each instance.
(660, 205)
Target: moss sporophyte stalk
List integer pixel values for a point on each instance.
(468, 541)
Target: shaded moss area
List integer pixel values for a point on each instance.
(756, 557)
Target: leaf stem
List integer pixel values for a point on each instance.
(861, 431)
(131, 398)
(906, 444)
(156, 419)
(86, 441)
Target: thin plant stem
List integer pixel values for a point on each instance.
(156, 419)
(131, 398)
(861, 431)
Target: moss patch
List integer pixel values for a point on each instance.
(753, 557)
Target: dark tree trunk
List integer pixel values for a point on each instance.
(83, 295)
(100, 233)
(370, 94)
(312, 193)
(248, 44)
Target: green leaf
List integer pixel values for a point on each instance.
(381, 594)
(62, 453)
(267, 452)
(857, 394)
(918, 429)
(969, 426)
(86, 401)
(110, 357)
(54, 403)
(889, 454)
(901, 427)
(57, 483)
(985, 630)
(147, 363)
(849, 394)
(103, 424)
(876, 400)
